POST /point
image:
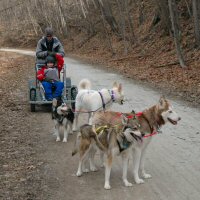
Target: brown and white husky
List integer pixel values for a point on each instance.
(114, 134)
(151, 120)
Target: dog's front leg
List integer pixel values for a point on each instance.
(70, 127)
(75, 124)
(66, 131)
(79, 171)
(107, 171)
(125, 158)
(136, 164)
(57, 131)
(142, 162)
(90, 118)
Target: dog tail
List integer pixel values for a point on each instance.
(76, 145)
(98, 143)
(84, 84)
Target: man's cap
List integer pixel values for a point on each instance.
(49, 31)
(50, 59)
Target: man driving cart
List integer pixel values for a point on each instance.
(48, 45)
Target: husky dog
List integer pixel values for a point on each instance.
(62, 116)
(113, 134)
(150, 121)
(90, 101)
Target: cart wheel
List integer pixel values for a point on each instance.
(32, 107)
(33, 98)
(74, 91)
(68, 82)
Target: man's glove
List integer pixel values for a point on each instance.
(50, 53)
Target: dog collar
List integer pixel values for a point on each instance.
(112, 94)
(153, 131)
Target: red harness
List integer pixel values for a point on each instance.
(148, 135)
(151, 134)
(138, 115)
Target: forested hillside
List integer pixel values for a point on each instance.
(152, 40)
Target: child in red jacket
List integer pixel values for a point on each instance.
(49, 77)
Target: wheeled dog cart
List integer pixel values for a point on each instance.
(36, 90)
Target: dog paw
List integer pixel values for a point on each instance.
(79, 174)
(102, 165)
(139, 181)
(128, 184)
(64, 139)
(86, 170)
(107, 186)
(93, 169)
(57, 139)
(146, 176)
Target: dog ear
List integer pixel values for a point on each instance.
(124, 119)
(162, 101)
(120, 87)
(115, 85)
(133, 112)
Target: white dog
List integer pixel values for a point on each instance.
(90, 101)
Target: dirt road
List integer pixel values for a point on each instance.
(173, 157)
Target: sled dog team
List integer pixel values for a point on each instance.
(112, 133)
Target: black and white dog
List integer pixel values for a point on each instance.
(62, 116)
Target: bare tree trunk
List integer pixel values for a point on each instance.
(108, 15)
(106, 32)
(172, 10)
(130, 23)
(195, 7)
(121, 7)
(163, 13)
(141, 12)
(62, 18)
(32, 21)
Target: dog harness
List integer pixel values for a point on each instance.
(112, 95)
(124, 144)
(102, 99)
(153, 131)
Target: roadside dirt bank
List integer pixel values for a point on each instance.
(21, 166)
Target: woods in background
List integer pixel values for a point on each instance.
(130, 21)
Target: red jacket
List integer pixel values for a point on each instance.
(40, 73)
(60, 63)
